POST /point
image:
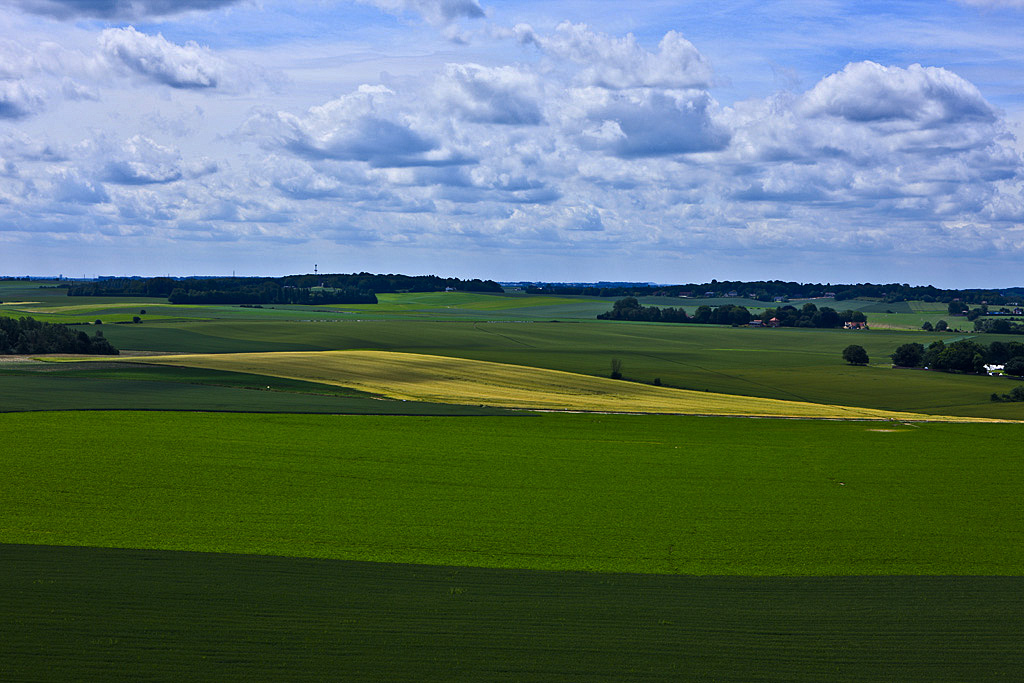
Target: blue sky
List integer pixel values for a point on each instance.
(662, 141)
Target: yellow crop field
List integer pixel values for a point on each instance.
(441, 379)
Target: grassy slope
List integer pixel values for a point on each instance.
(791, 364)
(194, 616)
(442, 379)
(787, 364)
(609, 493)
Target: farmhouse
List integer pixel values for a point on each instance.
(855, 326)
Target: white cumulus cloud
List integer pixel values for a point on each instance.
(924, 96)
(18, 100)
(613, 62)
(156, 58)
(501, 95)
(362, 126)
(141, 161)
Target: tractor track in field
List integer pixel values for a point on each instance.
(503, 336)
(726, 374)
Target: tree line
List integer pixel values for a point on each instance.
(290, 289)
(962, 356)
(629, 308)
(28, 335)
(769, 290)
(271, 293)
(810, 315)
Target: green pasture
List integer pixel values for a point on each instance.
(200, 616)
(53, 305)
(792, 364)
(605, 493)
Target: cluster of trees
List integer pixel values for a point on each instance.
(962, 356)
(768, 290)
(810, 315)
(722, 315)
(28, 335)
(995, 325)
(629, 308)
(1016, 394)
(302, 289)
(998, 326)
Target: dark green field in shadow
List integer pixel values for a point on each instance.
(54, 387)
(105, 614)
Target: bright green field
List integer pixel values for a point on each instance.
(652, 494)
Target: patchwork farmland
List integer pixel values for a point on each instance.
(368, 492)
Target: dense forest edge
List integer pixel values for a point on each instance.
(780, 291)
(27, 335)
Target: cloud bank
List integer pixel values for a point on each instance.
(542, 141)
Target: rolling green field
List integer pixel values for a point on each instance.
(443, 379)
(788, 364)
(169, 522)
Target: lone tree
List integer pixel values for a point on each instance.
(855, 354)
(616, 368)
(908, 355)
